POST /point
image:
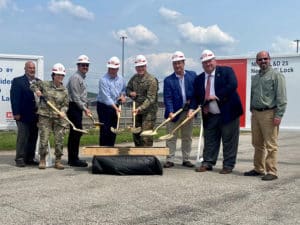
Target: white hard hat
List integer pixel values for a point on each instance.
(58, 68)
(83, 59)
(113, 62)
(207, 55)
(178, 56)
(140, 60)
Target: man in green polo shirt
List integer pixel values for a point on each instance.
(268, 103)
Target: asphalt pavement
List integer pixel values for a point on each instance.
(180, 196)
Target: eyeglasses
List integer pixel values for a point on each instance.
(83, 65)
(261, 59)
(59, 75)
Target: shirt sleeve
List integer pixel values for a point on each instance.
(151, 94)
(75, 89)
(281, 97)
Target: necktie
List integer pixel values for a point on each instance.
(207, 89)
(207, 93)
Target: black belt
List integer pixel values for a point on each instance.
(264, 109)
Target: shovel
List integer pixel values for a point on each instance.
(169, 136)
(198, 159)
(154, 132)
(134, 129)
(96, 123)
(117, 129)
(66, 118)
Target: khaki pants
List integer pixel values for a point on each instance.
(264, 141)
(186, 138)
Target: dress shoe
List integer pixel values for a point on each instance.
(168, 164)
(32, 163)
(225, 171)
(187, 164)
(20, 163)
(78, 163)
(204, 169)
(253, 173)
(269, 177)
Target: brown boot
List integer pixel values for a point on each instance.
(58, 165)
(42, 164)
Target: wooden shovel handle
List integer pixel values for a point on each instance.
(186, 120)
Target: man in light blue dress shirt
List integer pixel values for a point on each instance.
(111, 93)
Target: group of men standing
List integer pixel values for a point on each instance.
(215, 90)
(29, 101)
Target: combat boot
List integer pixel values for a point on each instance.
(58, 165)
(42, 164)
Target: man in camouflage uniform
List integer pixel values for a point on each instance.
(142, 88)
(49, 120)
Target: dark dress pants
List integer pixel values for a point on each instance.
(107, 115)
(26, 141)
(214, 133)
(75, 115)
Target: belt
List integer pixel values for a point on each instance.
(264, 109)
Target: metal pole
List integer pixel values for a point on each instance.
(123, 40)
(297, 41)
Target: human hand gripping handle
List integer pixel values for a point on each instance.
(65, 117)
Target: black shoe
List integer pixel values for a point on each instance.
(253, 173)
(78, 163)
(32, 163)
(187, 164)
(269, 177)
(168, 164)
(20, 163)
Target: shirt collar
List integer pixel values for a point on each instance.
(212, 73)
(179, 76)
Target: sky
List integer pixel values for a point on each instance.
(61, 30)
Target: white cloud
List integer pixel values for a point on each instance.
(56, 6)
(283, 45)
(138, 35)
(169, 14)
(4, 3)
(201, 35)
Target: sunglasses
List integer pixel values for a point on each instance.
(261, 59)
(83, 65)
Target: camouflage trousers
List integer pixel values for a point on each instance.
(146, 122)
(47, 125)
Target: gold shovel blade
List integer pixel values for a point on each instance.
(79, 130)
(135, 130)
(148, 133)
(98, 124)
(115, 130)
(166, 137)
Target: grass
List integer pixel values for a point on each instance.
(8, 138)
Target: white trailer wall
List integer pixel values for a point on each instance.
(12, 66)
(289, 65)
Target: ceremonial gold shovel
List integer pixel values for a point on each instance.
(134, 129)
(96, 123)
(169, 136)
(66, 118)
(117, 130)
(154, 132)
